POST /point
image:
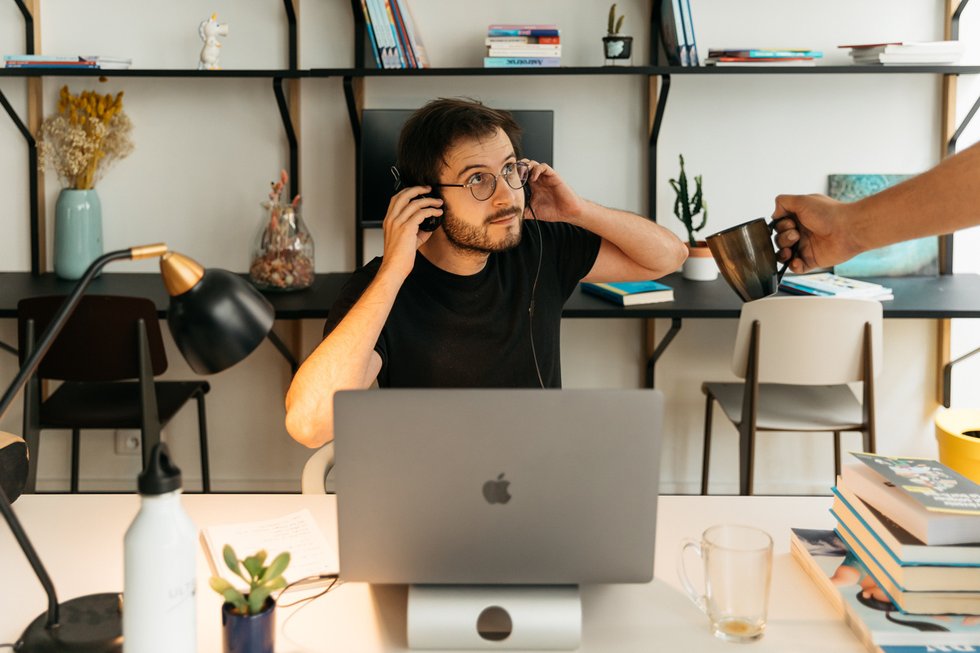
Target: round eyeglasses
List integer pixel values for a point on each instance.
(483, 185)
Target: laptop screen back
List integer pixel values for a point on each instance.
(496, 486)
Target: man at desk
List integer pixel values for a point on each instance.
(469, 293)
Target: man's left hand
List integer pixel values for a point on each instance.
(553, 200)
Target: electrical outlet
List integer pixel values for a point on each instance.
(127, 443)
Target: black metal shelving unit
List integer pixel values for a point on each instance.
(277, 76)
(361, 70)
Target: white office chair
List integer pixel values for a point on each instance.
(796, 355)
(316, 477)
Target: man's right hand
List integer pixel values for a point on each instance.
(406, 211)
(821, 227)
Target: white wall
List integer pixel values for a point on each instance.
(206, 150)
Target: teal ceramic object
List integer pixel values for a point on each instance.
(77, 232)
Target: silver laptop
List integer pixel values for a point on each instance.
(494, 486)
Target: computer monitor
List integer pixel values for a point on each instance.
(497, 486)
(380, 129)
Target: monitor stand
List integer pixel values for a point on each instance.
(546, 617)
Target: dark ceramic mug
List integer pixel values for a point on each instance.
(746, 257)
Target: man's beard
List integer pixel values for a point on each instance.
(469, 239)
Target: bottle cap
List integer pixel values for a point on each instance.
(160, 475)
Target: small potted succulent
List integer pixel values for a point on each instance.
(248, 620)
(618, 48)
(699, 266)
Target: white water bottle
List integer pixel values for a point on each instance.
(159, 586)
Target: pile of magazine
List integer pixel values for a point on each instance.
(903, 564)
(827, 284)
(907, 54)
(523, 46)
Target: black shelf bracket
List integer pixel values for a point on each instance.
(675, 328)
(7, 348)
(954, 22)
(355, 127)
(287, 124)
(284, 350)
(32, 181)
(658, 119)
(293, 42)
(28, 26)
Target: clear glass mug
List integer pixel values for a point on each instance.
(737, 574)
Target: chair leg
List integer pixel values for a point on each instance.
(869, 439)
(836, 455)
(32, 437)
(746, 458)
(706, 449)
(74, 461)
(202, 427)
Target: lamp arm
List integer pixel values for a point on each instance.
(57, 323)
(26, 370)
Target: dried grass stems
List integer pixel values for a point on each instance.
(89, 133)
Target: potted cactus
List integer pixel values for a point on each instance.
(248, 621)
(618, 48)
(699, 266)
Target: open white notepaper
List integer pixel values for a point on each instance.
(297, 532)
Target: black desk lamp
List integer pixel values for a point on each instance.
(216, 319)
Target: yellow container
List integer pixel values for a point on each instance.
(958, 434)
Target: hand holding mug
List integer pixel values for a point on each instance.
(821, 231)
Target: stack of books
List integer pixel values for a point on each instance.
(523, 46)
(677, 33)
(46, 61)
(904, 562)
(827, 284)
(907, 54)
(762, 57)
(395, 41)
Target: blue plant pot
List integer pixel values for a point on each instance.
(77, 232)
(254, 633)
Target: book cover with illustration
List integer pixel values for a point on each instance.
(913, 257)
(630, 293)
(933, 485)
(879, 625)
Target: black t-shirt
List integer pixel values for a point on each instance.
(451, 331)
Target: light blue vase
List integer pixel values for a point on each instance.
(77, 232)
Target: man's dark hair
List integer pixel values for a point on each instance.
(439, 125)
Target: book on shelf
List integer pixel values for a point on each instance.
(925, 52)
(929, 500)
(395, 15)
(525, 40)
(524, 51)
(691, 53)
(826, 560)
(672, 33)
(110, 63)
(392, 33)
(765, 53)
(297, 533)
(828, 284)
(757, 61)
(630, 293)
(14, 63)
(521, 62)
(41, 57)
(901, 545)
(523, 30)
(920, 602)
(414, 36)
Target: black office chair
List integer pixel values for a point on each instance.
(106, 342)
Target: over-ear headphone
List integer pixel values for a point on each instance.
(431, 223)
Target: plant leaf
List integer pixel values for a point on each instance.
(256, 599)
(231, 559)
(253, 566)
(219, 584)
(235, 597)
(276, 567)
(276, 583)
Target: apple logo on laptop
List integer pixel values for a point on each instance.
(495, 491)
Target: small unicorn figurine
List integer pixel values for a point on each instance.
(210, 29)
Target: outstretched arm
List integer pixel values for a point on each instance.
(346, 358)
(939, 201)
(633, 248)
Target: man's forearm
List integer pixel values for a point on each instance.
(341, 362)
(939, 201)
(643, 241)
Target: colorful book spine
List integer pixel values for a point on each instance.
(692, 43)
(402, 34)
(522, 32)
(375, 49)
(421, 56)
(527, 40)
(401, 57)
(521, 62)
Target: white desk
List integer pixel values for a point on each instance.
(79, 538)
